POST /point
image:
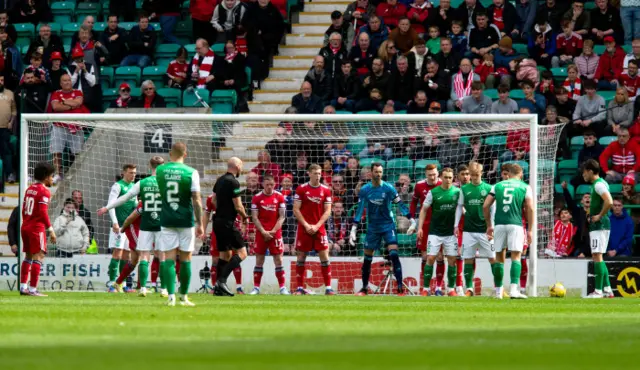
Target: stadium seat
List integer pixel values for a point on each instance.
(401, 112)
(599, 49)
(107, 76)
(521, 49)
(68, 30)
(108, 95)
(63, 11)
(155, 74)
(396, 167)
(190, 100)
(496, 141)
(421, 165)
(369, 112)
(218, 49)
(26, 30)
(607, 95)
(367, 162)
(491, 93)
(355, 145)
(247, 72)
(606, 140)
(516, 94)
(130, 74)
(577, 143)
(572, 190)
(128, 25)
(166, 51)
(184, 29)
(105, 10)
(191, 49)
(567, 169)
(583, 189)
(23, 50)
(559, 75)
(523, 164)
(627, 48)
(56, 28)
(84, 9)
(615, 189)
(223, 101)
(343, 112)
(173, 97)
(100, 26)
(22, 41)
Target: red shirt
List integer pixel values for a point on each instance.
(272, 169)
(136, 223)
(497, 18)
(35, 208)
(61, 96)
(569, 45)
(563, 238)
(176, 69)
(518, 140)
(313, 200)
(630, 83)
(268, 207)
(419, 194)
(391, 14)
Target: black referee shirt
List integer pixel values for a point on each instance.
(226, 188)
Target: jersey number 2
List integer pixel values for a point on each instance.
(172, 192)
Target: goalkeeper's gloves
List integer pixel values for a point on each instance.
(352, 236)
(412, 228)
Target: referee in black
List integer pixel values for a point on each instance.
(228, 205)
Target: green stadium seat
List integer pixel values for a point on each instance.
(155, 74)
(589, 5)
(190, 100)
(68, 30)
(567, 169)
(131, 75)
(521, 49)
(524, 165)
(247, 72)
(627, 48)
(496, 141)
(343, 112)
(56, 28)
(615, 189)
(453, 112)
(599, 49)
(218, 49)
(223, 101)
(559, 75)
(67, 48)
(23, 50)
(582, 190)
(355, 145)
(173, 97)
(577, 143)
(105, 9)
(156, 27)
(369, 112)
(546, 166)
(367, 162)
(191, 49)
(128, 25)
(84, 9)
(361, 128)
(541, 69)
(100, 26)
(492, 93)
(108, 95)
(26, 30)
(607, 95)
(184, 29)
(107, 75)
(516, 94)
(167, 51)
(396, 167)
(421, 165)
(63, 11)
(22, 41)
(559, 190)
(606, 140)
(401, 112)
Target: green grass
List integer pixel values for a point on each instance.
(99, 331)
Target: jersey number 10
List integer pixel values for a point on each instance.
(29, 203)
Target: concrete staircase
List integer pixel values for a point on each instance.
(10, 197)
(296, 57)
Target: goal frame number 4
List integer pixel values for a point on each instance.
(158, 138)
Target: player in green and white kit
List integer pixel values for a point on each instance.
(443, 200)
(118, 243)
(510, 196)
(149, 193)
(180, 192)
(474, 236)
(599, 226)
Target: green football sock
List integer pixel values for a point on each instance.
(605, 273)
(113, 269)
(452, 272)
(599, 276)
(516, 268)
(428, 273)
(498, 274)
(163, 285)
(468, 275)
(143, 270)
(185, 276)
(121, 265)
(170, 275)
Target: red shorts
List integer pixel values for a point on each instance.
(421, 244)
(307, 243)
(132, 236)
(275, 245)
(34, 241)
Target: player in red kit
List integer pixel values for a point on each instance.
(35, 226)
(419, 194)
(312, 208)
(268, 211)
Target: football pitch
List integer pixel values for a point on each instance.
(100, 331)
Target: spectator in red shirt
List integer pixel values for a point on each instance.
(391, 12)
(609, 65)
(177, 70)
(568, 45)
(517, 145)
(503, 15)
(66, 100)
(563, 233)
(630, 80)
(265, 166)
(624, 155)
(149, 98)
(417, 14)
(201, 14)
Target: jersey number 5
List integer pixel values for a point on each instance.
(172, 192)
(508, 196)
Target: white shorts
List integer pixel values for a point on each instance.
(599, 240)
(450, 244)
(472, 242)
(118, 241)
(182, 238)
(147, 240)
(510, 237)
(61, 137)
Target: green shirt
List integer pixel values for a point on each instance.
(510, 195)
(443, 205)
(122, 212)
(177, 182)
(151, 204)
(598, 189)
(472, 198)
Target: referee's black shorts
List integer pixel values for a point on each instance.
(227, 236)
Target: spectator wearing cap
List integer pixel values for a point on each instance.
(124, 97)
(504, 104)
(114, 38)
(345, 29)
(435, 82)
(631, 197)
(142, 44)
(622, 226)
(609, 65)
(502, 56)
(477, 102)
(503, 15)
(526, 10)
(605, 21)
(57, 70)
(177, 70)
(149, 98)
(46, 43)
(83, 78)
(624, 155)
(419, 104)
(346, 88)
(568, 45)
(580, 19)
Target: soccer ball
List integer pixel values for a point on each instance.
(557, 291)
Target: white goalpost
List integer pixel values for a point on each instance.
(286, 144)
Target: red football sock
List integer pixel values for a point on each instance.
(440, 274)
(280, 276)
(300, 274)
(474, 267)
(214, 273)
(524, 273)
(460, 276)
(326, 273)
(178, 268)
(35, 273)
(257, 276)
(423, 262)
(237, 273)
(24, 271)
(126, 271)
(155, 268)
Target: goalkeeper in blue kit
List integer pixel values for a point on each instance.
(377, 197)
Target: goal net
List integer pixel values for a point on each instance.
(284, 146)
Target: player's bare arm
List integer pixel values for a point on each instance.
(197, 212)
(130, 219)
(237, 204)
(606, 207)
(256, 221)
(486, 211)
(282, 213)
(323, 219)
(298, 215)
(423, 216)
(133, 192)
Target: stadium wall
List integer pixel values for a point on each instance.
(89, 273)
